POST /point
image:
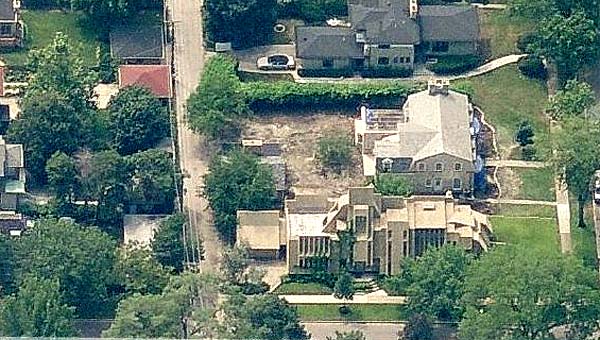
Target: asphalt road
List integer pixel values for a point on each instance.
(188, 57)
(372, 331)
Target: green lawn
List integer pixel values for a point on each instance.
(43, 25)
(531, 232)
(502, 32)
(295, 288)
(583, 239)
(522, 210)
(359, 313)
(537, 184)
(507, 98)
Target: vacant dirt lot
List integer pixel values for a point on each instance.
(298, 137)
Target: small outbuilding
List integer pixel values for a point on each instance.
(263, 232)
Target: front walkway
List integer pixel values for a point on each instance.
(510, 163)
(378, 297)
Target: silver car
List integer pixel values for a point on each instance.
(276, 62)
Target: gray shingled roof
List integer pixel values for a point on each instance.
(332, 42)
(449, 23)
(7, 10)
(137, 42)
(385, 25)
(437, 124)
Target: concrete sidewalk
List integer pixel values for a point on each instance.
(514, 164)
(372, 298)
(523, 202)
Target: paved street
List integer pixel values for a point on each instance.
(378, 297)
(372, 331)
(189, 62)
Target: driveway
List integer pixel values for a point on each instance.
(247, 58)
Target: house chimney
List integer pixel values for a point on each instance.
(413, 9)
(16, 4)
(438, 86)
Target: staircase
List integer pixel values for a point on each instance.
(365, 285)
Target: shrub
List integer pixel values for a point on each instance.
(332, 72)
(455, 64)
(319, 276)
(525, 40)
(533, 67)
(393, 185)
(335, 151)
(528, 153)
(313, 11)
(396, 72)
(286, 94)
(524, 134)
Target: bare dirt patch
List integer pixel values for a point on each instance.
(298, 136)
(510, 183)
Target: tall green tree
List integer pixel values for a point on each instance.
(574, 157)
(238, 181)
(185, 308)
(261, 317)
(168, 245)
(138, 121)
(393, 185)
(62, 176)
(139, 272)
(418, 328)
(152, 183)
(7, 264)
(573, 100)
(80, 258)
(435, 282)
(524, 293)
(570, 42)
(218, 104)
(245, 23)
(37, 310)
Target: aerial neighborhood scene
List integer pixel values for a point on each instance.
(300, 169)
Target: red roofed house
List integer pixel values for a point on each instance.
(156, 78)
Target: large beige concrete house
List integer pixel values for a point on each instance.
(431, 141)
(389, 34)
(385, 230)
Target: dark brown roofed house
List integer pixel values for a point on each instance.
(138, 44)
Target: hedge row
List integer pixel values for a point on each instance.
(278, 95)
(349, 72)
(454, 64)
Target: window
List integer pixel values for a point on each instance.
(407, 60)
(422, 167)
(328, 62)
(396, 59)
(386, 164)
(440, 46)
(384, 46)
(428, 182)
(438, 182)
(457, 166)
(389, 234)
(360, 224)
(456, 183)
(5, 29)
(439, 167)
(383, 61)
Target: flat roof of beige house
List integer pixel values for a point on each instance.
(259, 229)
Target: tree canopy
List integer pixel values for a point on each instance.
(168, 246)
(80, 258)
(183, 309)
(238, 181)
(418, 328)
(393, 185)
(573, 153)
(138, 270)
(570, 42)
(573, 100)
(435, 282)
(218, 103)
(137, 119)
(62, 176)
(521, 293)
(36, 310)
(152, 181)
(244, 23)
